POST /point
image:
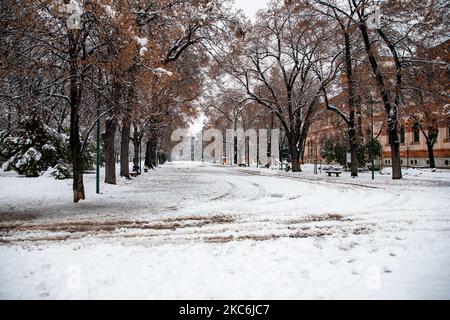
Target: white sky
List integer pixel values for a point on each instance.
(197, 125)
(250, 6)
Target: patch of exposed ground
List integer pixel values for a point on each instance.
(210, 229)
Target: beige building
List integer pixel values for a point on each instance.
(413, 148)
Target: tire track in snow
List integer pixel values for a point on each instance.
(183, 228)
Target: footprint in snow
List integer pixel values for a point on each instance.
(305, 273)
(275, 195)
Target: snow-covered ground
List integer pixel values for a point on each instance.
(199, 231)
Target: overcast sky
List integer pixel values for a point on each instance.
(250, 6)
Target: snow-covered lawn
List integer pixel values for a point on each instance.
(198, 231)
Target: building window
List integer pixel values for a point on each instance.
(402, 134)
(416, 133)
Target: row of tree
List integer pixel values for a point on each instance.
(302, 55)
(141, 67)
(135, 65)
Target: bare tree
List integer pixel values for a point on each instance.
(284, 66)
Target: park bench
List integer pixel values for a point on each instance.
(331, 172)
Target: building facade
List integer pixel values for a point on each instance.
(413, 147)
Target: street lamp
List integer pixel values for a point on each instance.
(97, 166)
(372, 155)
(407, 148)
(314, 147)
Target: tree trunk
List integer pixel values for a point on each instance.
(150, 154)
(354, 156)
(247, 152)
(295, 157)
(124, 149)
(395, 149)
(390, 108)
(74, 139)
(235, 143)
(235, 151)
(110, 163)
(430, 147)
(354, 133)
(75, 147)
(353, 142)
(137, 138)
(147, 161)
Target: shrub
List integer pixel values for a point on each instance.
(35, 147)
(62, 171)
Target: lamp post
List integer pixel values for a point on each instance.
(97, 167)
(315, 158)
(372, 155)
(140, 157)
(407, 152)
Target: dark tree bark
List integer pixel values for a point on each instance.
(353, 121)
(137, 139)
(431, 155)
(235, 150)
(148, 150)
(75, 147)
(109, 137)
(353, 101)
(150, 154)
(395, 146)
(126, 124)
(391, 109)
(124, 149)
(235, 143)
(295, 157)
(352, 136)
(431, 139)
(75, 101)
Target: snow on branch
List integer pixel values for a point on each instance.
(162, 72)
(142, 42)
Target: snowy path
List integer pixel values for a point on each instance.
(199, 231)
